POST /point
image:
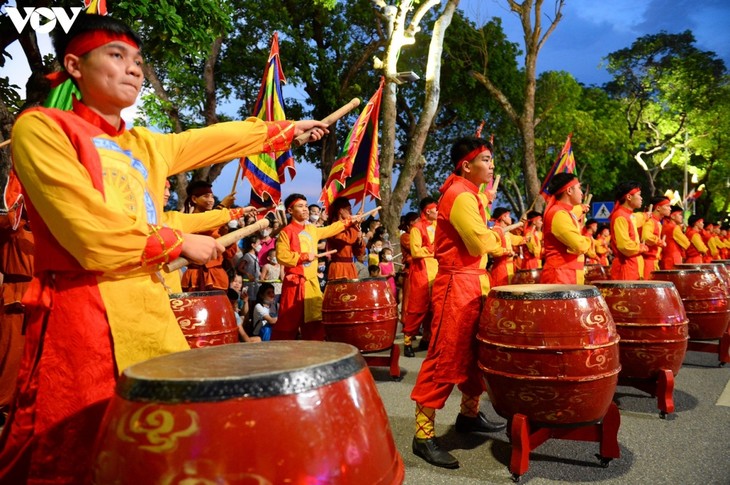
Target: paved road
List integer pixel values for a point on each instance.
(691, 448)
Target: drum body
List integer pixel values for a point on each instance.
(705, 300)
(652, 324)
(362, 313)
(549, 352)
(596, 272)
(718, 268)
(280, 412)
(205, 317)
(527, 276)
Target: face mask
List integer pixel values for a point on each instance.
(386, 235)
(321, 269)
(389, 258)
(377, 249)
(266, 232)
(273, 260)
(257, 248)
(233, 224)
(268, 301)
(313, 217)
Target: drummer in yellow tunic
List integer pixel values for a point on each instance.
(651, 234)
(94, 192)
(625, 236)
(296, 250)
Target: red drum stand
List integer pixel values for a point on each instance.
(662, 388)
(391, 360)
(721, 347)
(525, 438)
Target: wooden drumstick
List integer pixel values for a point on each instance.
(326, 253)
(331, 118)
(495, 185)
(588, 199)
(513, 226)
(6, 142)
(365, 215)
(227, 240)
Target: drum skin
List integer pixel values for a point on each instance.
(362, 313)
(596, 272)
(526, 276)
(549, 352)
(652, 324)
(205, 317)
(705, 300)
(281, 412)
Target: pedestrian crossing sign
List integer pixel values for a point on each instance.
(602, 211)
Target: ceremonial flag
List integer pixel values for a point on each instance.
(356, 172)
(266, 171)
(565, 163)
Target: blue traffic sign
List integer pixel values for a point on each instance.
(602, 211)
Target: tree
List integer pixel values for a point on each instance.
(524, 115)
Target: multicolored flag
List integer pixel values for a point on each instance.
(564, 164)
(266, 171)
(356, 172)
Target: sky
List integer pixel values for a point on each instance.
(588, 31)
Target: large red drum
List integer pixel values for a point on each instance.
(705, 300)
(527, 276)
(549, 352)
(652, 324)
(720, 269)
(281, 412)
(362, 313)
(205, 317)
(596, 272)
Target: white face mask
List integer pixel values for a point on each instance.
(257, 248)
(389, 258)
(268, 301)
(377, 249)
(321, 268)
(266, 232)
(273, 260)
(233, 224)
(313, 217)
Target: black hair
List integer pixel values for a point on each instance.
(249, 242)
(591, 221)
(373, 268)
(192, 187)
(559, 181)
(334, 210)
(693, 219)
(624, 188)
(407, 220)
(86, 23)
(289, 200)
(463, 146)
(425, 202)
(656, 200)
(499, 212)
(262, 291)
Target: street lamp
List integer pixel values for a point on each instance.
(406, 77)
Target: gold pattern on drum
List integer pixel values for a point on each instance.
(186, 323)
(155, 429)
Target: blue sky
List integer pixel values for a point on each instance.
(589, 30)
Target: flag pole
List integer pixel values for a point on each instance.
(235, 179)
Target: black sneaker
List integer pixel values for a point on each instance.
(408, 351)
(477, 424)
(433, 454)
(423, 345)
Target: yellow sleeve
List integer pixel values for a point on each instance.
(515, 240)
(640, 218)
(620, 232)
(284, 253)
(326, 231)
(567, 233)
(101, 236)
(418, 251)
(698, 243)
(477, 237)
(680, 238)
(714, 247)
(647, 233)
(196, 223)
(216, 143)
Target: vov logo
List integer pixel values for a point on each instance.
(43, 19)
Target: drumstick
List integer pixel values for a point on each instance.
(227, 240)
(495, 185)
(331, 118)
(513, 226)
(650, 208)
(6, 142)
(326, 253)
(588, 199)
(362, 217)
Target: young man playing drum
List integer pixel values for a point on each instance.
(95, 191)
(461, 245)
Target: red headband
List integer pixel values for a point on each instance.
(294, 202)
(662, 202)
(471, 156)
(88, 41)
(429, 207)
(565, 187)
(631, 192)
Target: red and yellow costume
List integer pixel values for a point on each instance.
(651, 235)
(301, 297)
(211, 275)
(459, 291)
(503, 268)
(16, 265)
(676, 243)
(696, 249)
(601, 245)
(96, 305)
(532, 258)
(565, 246)
(349, 245)
(626, 246)
(713, 246)
(422, 273)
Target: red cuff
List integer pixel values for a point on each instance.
(280, 134)
(163, 245)
(302, 259)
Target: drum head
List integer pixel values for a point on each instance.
(240, 370)
(543, 292)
